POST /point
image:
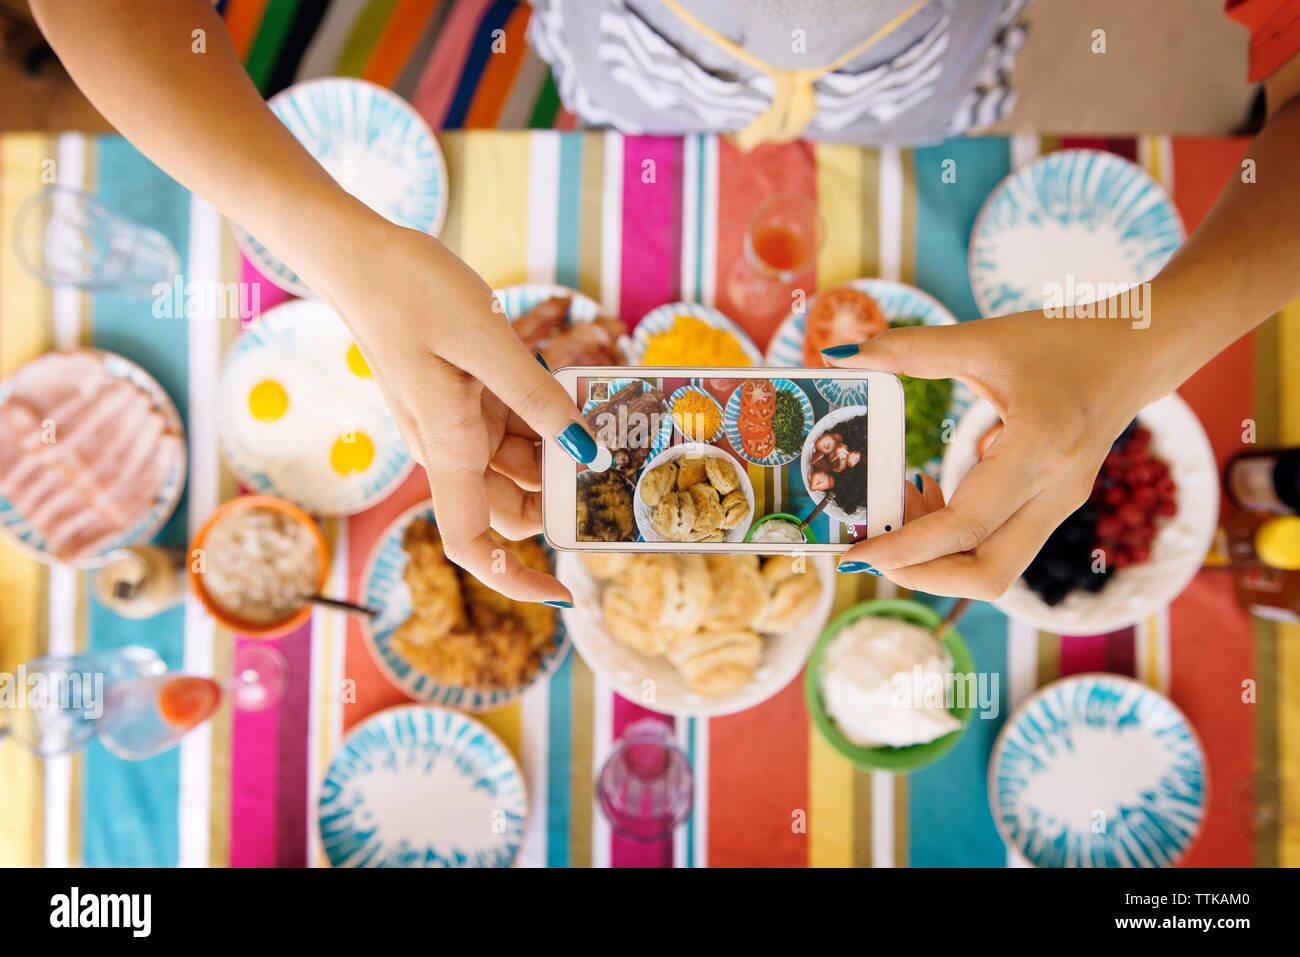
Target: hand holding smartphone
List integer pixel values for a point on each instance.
(729, 460)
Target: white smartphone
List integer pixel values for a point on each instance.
(728, 460)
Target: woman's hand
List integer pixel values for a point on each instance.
(470, 400)
(1065, 389)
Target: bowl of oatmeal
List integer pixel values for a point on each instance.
(254, 563)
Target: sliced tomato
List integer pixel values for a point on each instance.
(752, 426)
(758, 395)
(760, 446)
(840, 316)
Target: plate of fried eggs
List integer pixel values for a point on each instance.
(301, 416)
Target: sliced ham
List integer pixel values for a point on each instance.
(104, 470)
(135, 491)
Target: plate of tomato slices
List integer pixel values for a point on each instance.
(854, 311)
(766, 421)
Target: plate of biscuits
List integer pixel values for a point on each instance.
(693, 493)
(696, 635)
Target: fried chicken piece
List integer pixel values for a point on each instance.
(436, 597)
(604, 508)
(540, 323)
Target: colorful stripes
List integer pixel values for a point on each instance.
(463, 63)
(589, 210)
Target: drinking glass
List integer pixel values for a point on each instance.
(784, 235)
(148, 715)
(65, 237)
(75, 689)
(646, 787)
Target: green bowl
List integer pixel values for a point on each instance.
(808, 535)
(886, 758)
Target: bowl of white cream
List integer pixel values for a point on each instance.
(780, 528)
(883, 692)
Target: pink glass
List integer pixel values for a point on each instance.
(646, 787)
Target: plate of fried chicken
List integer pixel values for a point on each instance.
(564, 326)
(443, 636)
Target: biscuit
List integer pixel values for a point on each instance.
(691, 471)
(657, 482)
(722, 474)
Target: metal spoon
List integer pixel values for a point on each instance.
(344, 606)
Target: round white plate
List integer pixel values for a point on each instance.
(1181, 543)
(374, 144)
(422, 786)
(662, 318)
(643, 513)
(1065, 223)
(29, 540)
(822, 426)
(731, 423)
(383, 588)
(304, 347)
(897, 300)
(1098, 770)
(631, 673)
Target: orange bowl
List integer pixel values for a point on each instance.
(225, 618)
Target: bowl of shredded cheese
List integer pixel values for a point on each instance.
(696, 415)
(691, 335)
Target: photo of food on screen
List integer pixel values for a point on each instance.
(778, 462)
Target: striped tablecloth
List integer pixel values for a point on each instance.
(634, 222)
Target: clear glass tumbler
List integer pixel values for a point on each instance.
(65, 237)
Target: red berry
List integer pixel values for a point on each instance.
(1142, 434)
(1109, 527)
(1159, 468)
(1122, 558)
(1141, 553)
(1115, 495)
(1140, 474)
(1132, 514)
(1145, 497)
(1167, 508)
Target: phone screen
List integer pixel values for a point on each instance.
(717, 460)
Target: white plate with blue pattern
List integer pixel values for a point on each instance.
(374, 144)
(31, 541)
(681, 393)
(662, 319)
(422, 786)
(1057, 229)
(731, 424)
(1098, 770)
(898, 301)
(384, 589)
(299, 414)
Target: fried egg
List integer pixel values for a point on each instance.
(301, 416)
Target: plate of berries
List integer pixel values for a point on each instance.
(1135, 544)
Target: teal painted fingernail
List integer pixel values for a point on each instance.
(577, 443)
(558, 604)
(851, 567)
(841, 352)
(916, 480)
(542, 361)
